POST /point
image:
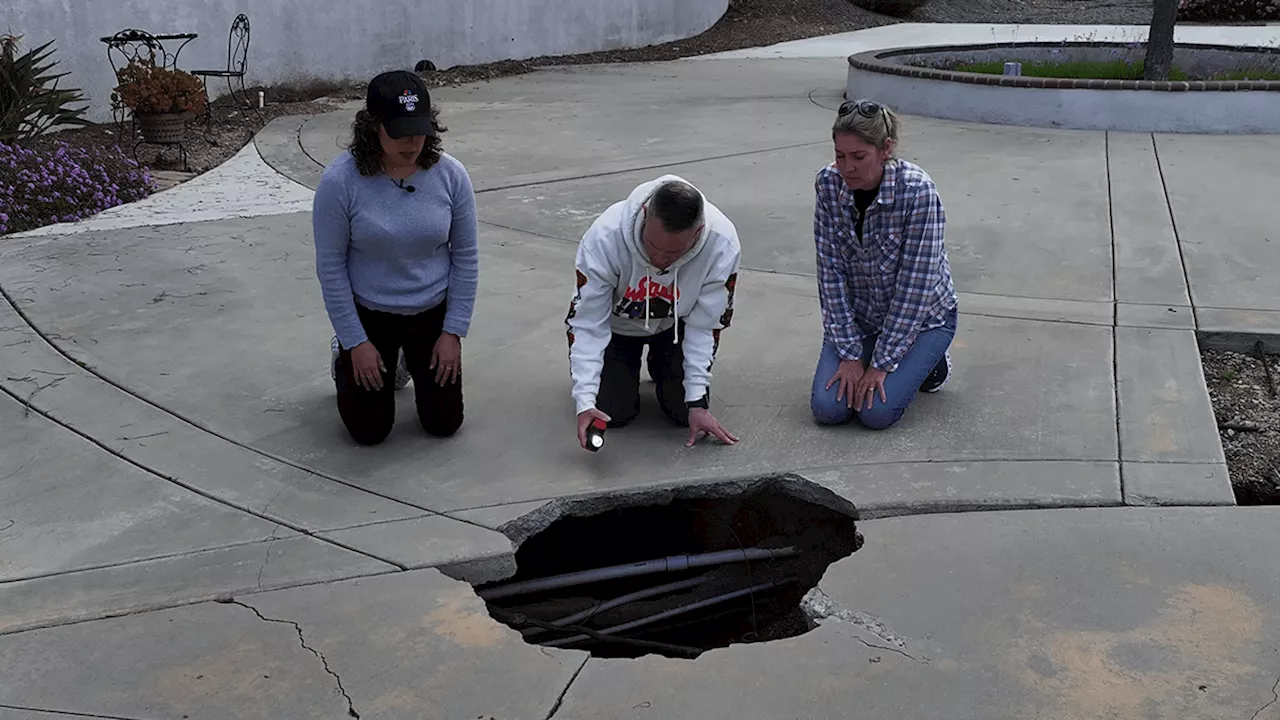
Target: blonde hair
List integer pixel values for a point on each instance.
(869, 121)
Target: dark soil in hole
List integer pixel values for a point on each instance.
(1248, 418)
(773, 514)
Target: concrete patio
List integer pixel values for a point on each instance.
(191, 533)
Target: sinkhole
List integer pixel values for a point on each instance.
(673, 571)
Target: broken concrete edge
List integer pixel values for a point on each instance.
(588, 504)
(881, 511)
(1139, 500)
(1237, 341)
(500, 567)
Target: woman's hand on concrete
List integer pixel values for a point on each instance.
(367, 365)
(849, 374)
(871, 381)
(446, 358)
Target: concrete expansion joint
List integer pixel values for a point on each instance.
(302, 640)
(78, 713)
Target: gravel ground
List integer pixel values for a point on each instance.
(1248, 417)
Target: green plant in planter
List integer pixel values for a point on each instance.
(150, 90)
(30, 100)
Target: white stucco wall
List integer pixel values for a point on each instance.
(298, 40)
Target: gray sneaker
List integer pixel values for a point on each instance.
(402, 371)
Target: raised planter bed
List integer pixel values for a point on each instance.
(1214, 98)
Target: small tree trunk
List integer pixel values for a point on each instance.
(1160, 40)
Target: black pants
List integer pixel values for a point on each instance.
(619, 395)
(370, 414)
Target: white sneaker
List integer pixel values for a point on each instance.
(334, 351)
(939, 376)
(402, 371)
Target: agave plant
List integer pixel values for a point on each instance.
(30, 100)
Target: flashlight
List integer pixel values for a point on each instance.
(595, 434)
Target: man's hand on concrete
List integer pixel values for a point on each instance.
(703, 423)
(584, 419)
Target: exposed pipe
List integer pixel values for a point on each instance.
(622, 600)
(674, 612)
(521, 619)
(674, 563)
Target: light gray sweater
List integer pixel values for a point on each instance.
(392, 250)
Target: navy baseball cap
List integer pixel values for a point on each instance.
(399, 99)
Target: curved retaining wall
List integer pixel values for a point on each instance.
(1215, 107)
(299, 40)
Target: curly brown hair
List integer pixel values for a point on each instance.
(366, 148)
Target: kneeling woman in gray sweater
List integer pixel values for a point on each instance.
(394, 220)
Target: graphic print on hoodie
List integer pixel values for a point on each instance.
(618, 290)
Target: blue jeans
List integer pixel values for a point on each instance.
(900, 386)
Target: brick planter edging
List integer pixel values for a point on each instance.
(874, 61)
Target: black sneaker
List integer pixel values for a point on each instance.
(939, 377)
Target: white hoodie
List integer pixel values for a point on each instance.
(619, 290)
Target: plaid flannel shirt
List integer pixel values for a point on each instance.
(897, 280)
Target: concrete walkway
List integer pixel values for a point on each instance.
(189, 531)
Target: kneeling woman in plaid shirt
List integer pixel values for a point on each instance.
(884, 282)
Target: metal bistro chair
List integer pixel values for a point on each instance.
(237, 61)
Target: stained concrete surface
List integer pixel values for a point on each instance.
(429, 541)
(209, 661)
(132, 587)
(1227, 220)
(413, 645)
(513, 450)
(67, 505)
(1129, 613)
(1064, 613)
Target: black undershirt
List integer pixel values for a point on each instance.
(862, 200)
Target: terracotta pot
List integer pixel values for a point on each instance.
(163, 128)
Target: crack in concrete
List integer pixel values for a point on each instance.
(68, 713)
(267, 561)
(820, 606)
(1275, 698)
(892, 650)
(274, 533)
(564, 693)
(302, 640)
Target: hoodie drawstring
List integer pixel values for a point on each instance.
(675, 298)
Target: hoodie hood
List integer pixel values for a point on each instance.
(635, 214)
(635, 209)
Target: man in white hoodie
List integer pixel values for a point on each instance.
(658, 269)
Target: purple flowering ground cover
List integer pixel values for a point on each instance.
(64, 183)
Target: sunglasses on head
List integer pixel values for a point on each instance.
(865, 108)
